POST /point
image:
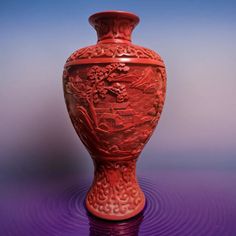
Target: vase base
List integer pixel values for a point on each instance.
(115, 193)
(115, 217)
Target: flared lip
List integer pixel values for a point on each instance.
(114, 13)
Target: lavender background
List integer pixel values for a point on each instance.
(195, 138)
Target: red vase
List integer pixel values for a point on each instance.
(114, 92)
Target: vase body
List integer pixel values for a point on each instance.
(114, 92)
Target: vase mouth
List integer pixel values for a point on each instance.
(114, 26)
(113, 13)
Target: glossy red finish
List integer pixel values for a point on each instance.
(114, 93)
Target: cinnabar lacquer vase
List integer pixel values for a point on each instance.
(114, 92)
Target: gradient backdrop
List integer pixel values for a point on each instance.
(197, 40)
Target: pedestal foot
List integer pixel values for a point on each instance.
(115, 193)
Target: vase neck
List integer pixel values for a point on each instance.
(114, 26)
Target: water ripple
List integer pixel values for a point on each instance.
(168, 212)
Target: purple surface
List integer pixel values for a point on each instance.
(179, 203)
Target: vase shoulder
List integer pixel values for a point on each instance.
(114, 52)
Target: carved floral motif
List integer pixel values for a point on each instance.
(114, 28)
(113, 50)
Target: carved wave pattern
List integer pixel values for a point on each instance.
(112, 50)
(115, 190)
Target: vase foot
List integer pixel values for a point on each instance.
(115, 193)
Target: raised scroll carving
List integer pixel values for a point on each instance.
(115, 190)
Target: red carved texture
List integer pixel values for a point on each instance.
(114, 93)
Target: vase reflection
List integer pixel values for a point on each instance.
(114, 228)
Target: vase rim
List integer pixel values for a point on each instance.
(114, 13)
